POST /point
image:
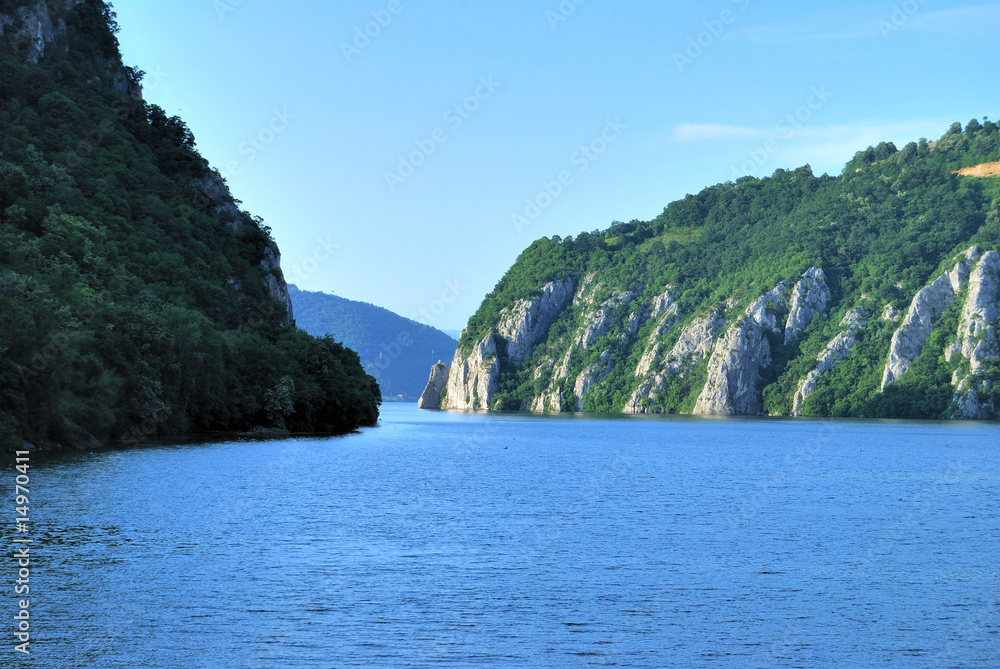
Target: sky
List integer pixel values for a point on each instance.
(404, 152)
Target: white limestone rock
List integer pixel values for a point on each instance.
(438, 381)
(473, 379)
(593, 374)
(977, 340)
(695, 342)
(809, 297)
(734, 371)
(925, 308)
(524, 324)
(836, 350)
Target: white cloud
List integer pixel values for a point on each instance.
(761, 150)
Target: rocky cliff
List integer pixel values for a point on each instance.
(473, 378)
(431, 397)
(872, 293)
(34, 28)
(927, 306)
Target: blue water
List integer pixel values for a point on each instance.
(459, 540)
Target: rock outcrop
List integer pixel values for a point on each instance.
(36, 31)
(738, 357)
(734, 371)
(598, 320)
(836, 350)
(925, 308)
(524, 324)
(695, 342)
(472, 381)
(809, 297)
(977, 339)
(594, 373)
(438, 381)
(665, 313)
(215, 199)
(274, 279)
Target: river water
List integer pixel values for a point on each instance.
(443, 539)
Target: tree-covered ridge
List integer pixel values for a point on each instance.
(890, 222)
(134, 292)
(397, 351)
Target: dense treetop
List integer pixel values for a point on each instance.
(133, 290)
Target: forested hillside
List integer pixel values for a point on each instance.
(397, 351)
(796, 293)
(137, 299)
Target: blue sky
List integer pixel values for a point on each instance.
(404, 152)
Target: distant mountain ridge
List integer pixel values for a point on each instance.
(397, 351)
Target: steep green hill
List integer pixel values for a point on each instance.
(397, 351)
(731, 298)
(136, 298)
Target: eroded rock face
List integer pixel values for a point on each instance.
(594, 373)
(665, 313)
(38, 27)
(274, 279)
(925, 308)
(695, 342)
(765, 309)
(734, 371)
(976, 339)
(809, 297)
(597, 322)
(550, 401)
(438, 381)
(37, 31)
(524, 324)
(472, 381)
(836, 350)
(218, 200)
(664, 304)
(890, 313)
(738, 357)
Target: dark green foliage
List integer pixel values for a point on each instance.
(397, 351)
(130, 305)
